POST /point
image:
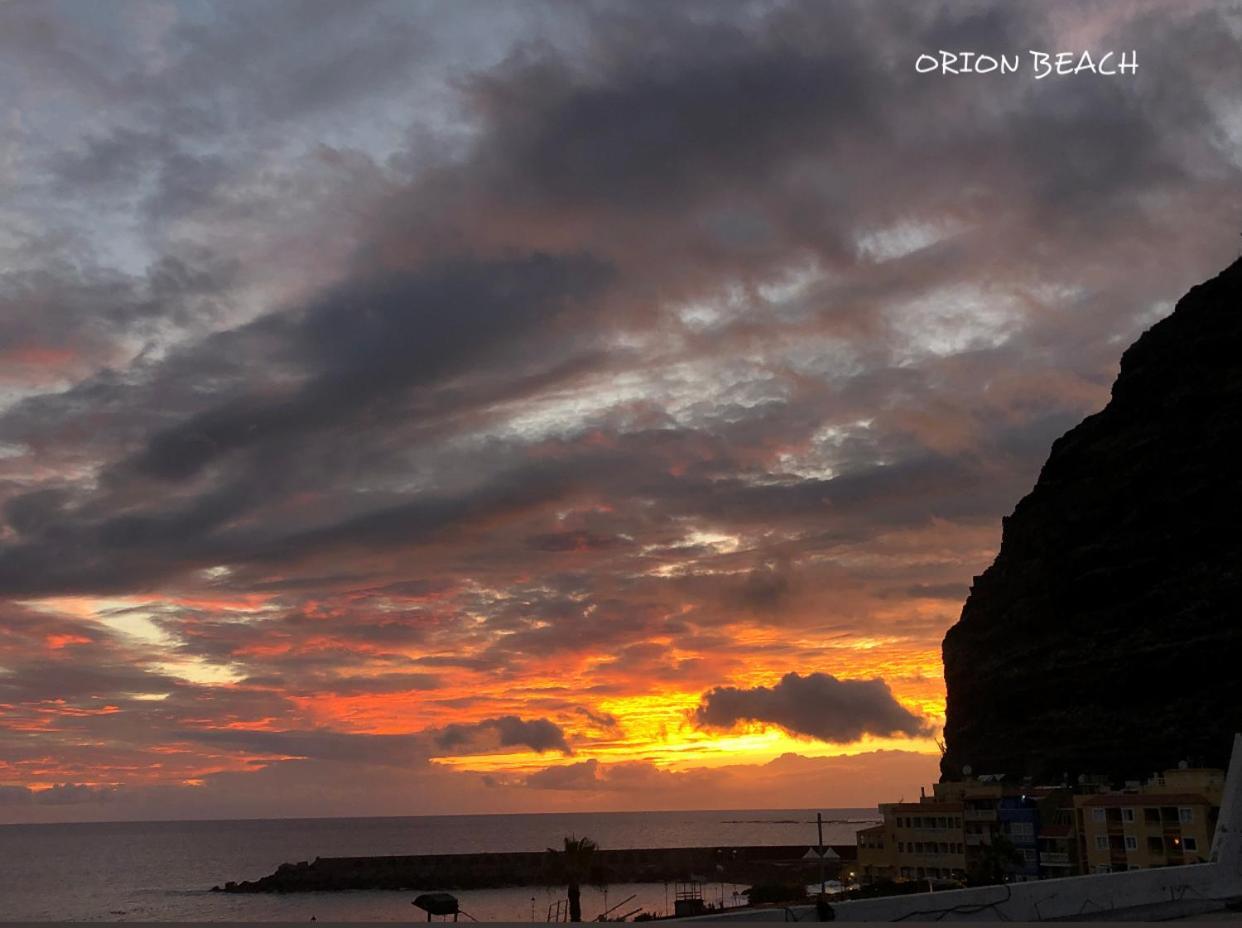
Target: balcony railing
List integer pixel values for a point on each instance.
(1054, 859)
(930, 857)
(979, 815)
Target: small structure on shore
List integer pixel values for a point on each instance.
(438, 904)
(688, 899)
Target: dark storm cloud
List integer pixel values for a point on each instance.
(373, 339)
(817, 705)
(65, 794)
(583, 775)
(62, 322)
(509, 731)
(656, 128)
(69, 679)
(59, 794)
(14, 795)
(602, 719)
(323, 745)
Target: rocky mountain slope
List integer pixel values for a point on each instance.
(1107, 634)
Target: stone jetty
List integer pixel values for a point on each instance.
(748, 864)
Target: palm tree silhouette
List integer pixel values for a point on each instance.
(572, 866)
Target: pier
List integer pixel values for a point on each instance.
(747, 864)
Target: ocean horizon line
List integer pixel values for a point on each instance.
(464, 815)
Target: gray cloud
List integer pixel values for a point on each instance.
(321, 745)
(508, 731)
(58, 794)
(817, 705)
(64, 794)
(582, 775)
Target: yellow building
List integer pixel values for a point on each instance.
(1170, 820)
(917, 841)
(877, 854)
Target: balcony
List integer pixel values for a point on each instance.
(1055, 859)
(979, 815)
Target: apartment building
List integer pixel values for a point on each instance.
(917, 841)
(1056, 830)
(1170, 820)
(1057, 838)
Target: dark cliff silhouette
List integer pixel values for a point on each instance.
(1106, 637)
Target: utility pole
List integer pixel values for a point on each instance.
(819, 849)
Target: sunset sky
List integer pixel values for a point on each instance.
(469, 407)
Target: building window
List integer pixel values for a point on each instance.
(1127, 815)
(1101, 842)
(1131, 843)
(1151, 816)
(1186, 816)
(1190, 844)
(1098, 814)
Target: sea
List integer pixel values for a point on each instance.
(164, 871)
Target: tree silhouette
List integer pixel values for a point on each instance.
(572, 866)
(994, 861)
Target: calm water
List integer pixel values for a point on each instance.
(163, 870)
